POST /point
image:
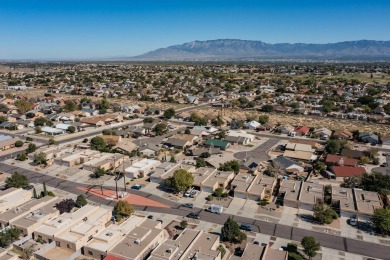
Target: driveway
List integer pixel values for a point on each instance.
(259, 152)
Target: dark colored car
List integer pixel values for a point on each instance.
(29, 187)
(150, 217)
(384, 164)
(188, 205)
(193, 215)
(246, 227)
(136, 187)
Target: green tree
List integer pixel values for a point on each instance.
(45, 192)
(323, 213)
(267, 108)
(98, 143)
(40, 121)
(310, 246)
(263, 119)
(40, 158)
(3, 119)
(180, 181)
(205, 155)
(230, 166)
(19, 143)
(148, 120)
(231, 231)
(200, 162)
(104, 105)
(70, 106)
(52, 141)
(21, 157)
(183, 224)
(123, 208)
(334, 146)
(222, 134)
(169, 113)
(381, 220)
(320, 167)
(376, 181)
(8, 236)
(99, 172)
(23, 106)
(173, 159)
(160, 129)
(187, 131)
(81, 201)
(38, 130)
(17, 180)
(71, 129)
(31, 148)
(218, 192)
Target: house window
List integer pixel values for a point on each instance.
(58, 244)
(50, 240)
(68, 246)
(90, 252)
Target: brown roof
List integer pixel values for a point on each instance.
(341, 160)
(348, 171)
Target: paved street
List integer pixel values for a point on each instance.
(265, 227)
(260, 152)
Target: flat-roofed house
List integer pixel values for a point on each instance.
(139, 242)
(141, 168)
(240, 185)
(22, 210)
(310, 194)
(366, 203)
(261, 187)
(218, 179)
(260, 252)
(289, 193)
(8, 143)
(200, 175)
(163, 171)
(104, 161)
(73, 157)
(73, 230)
(13, 197)
(344, 200)
(190, 244)
(133, 239)
(30, 222)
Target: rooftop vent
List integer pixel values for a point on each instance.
(137, 242)
(109, 234)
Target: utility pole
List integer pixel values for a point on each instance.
(116, 179)
(124, 175)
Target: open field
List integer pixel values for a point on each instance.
(296, 120)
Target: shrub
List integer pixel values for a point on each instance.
(18, 143)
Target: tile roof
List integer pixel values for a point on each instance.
(348, 171)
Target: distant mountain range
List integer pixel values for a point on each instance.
(231, 49)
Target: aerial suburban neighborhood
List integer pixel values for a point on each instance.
(194, 161)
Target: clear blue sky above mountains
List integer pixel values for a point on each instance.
(96, 28)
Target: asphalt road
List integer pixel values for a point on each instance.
(259, 152)
(273, 229)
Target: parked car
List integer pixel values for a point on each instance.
(215, 209)
(150, 217)
(353, 221)
(29, 187)
(188, 205)
(246, 227)
(193, 215)
(136, 187)
(385, 154)
(384, 164)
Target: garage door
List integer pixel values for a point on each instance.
(240, 195)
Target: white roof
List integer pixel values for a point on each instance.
(253, 124)
(62, 126)
(48, 129)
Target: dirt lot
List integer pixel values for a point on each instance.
(296, 120)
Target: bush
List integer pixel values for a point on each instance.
(19, 143)
(263, 202)
(21, 157)
(65, 206)
(209, 198)
(29, 139)
(183, 224)
(123, 208)
(17, 180)
(221, 249)
(81, 201)
(294, 256)
(51, 194)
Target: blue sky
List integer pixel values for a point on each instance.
(59, 29)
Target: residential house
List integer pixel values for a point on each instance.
(356, 154)
(343, 199)
(369, 138)
(216, 180)
(141, 168)
(289, 193)
(343, 135)
(334, 159)
(13, 197)
(310, 194)
(252, 125)
(217, 143)
(302, 130)
(288, 165)
(341, 172)
(261, 188)
(7, 142)
(366, 203)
